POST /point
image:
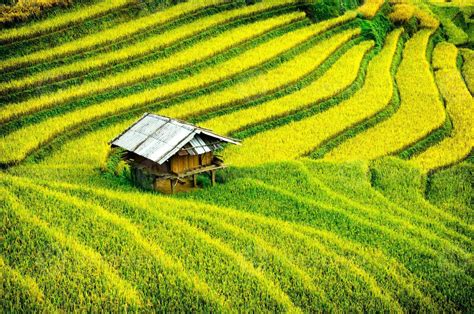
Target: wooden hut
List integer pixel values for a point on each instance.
(166, 154)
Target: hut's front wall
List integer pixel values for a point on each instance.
(181, 164)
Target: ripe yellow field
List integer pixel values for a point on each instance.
(296, 139)
(112, 34)
(370, 7)
(179, 60)
(274, 79)
(460, 107)
(468, 68)
(420, 113)
(139, 49)
(336, 79)
(62, 20)
(17, 144)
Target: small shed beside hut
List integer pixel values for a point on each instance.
(167, 154)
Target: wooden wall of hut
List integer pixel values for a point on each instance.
(181, 164)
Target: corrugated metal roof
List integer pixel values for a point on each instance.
(158, 138)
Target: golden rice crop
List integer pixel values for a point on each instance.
(468, 68)
(460, 107)
(109, 35)
(139, 49)
(62, 20)
(370, 7)
(186, 57)
(426, 18)
(274, 79)
(402, 12)
(298, 138)
(444, 56)
(336, 79)
(15, 146)
(22, 10)
(420, 113)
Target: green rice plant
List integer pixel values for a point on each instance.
(294, 198)
(299, 138)
(460, 107)
(336, 79)
(61, 21)
(69, 263)
(193, 54)
(283, 75)
(136, 50)
(48, 129)
(451, 190)
(107, 36)
(212, 259)
(280, 231)
(158, 277)
(421, 110)
(21, 293)
(353, 181)
(456, 34)
(389, 174)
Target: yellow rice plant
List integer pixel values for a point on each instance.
(468, 68)
(370, 7)
(420, 113)
(62, 20)
(274, 79)
(460, 107)
(299, 138)
(141, 48)
(444, 56)
(177, 61)
(109, 35)
(426, 18)
(16, 146)
(23, 10)
(336, 79)
(402, 12)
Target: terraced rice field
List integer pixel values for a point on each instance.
(352, 189)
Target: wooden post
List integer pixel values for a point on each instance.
(172, 186)
(213, 177)
(194, 180)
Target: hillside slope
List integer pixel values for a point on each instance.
(352, 189)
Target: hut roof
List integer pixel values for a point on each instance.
(158, 138)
